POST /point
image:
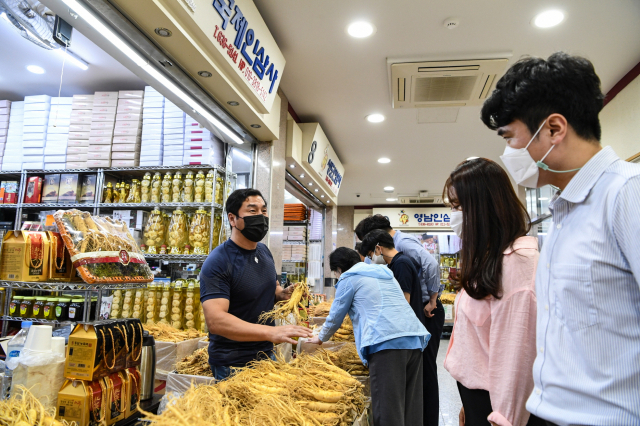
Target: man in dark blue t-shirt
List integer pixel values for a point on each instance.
(238, 282)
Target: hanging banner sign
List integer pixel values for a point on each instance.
(319, 154)
(418, 217)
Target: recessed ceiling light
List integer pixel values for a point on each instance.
(383, 160)
(256, 126)
(204, 74)
(375, 118)
(388, 189)
(310, 183)
(328, 201)
(360, 29)
(302, 175)
(233, 103)
(548, 19)
(316, 189)
(35, 69)
(392, 199)
(293, 166)
(322, 196)
(163, 32)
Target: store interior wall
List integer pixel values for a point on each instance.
(346, 236)
(359, 214)
(330, 241)
(620, 120)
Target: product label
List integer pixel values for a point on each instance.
(23, 309)
(58, 311)
(12, 308)
(47, 309)
(72, 312)
(36, 310)
(14, 354)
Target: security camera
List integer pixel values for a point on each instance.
(358, 195)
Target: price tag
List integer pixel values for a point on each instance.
(49, 220)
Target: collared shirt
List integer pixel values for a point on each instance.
(430, 270)
(493, 346)
(587, 369)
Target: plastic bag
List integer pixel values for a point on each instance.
(42, 373)
(169, 353)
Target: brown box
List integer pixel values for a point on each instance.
(85, 359)
(19, 265)
(116, 391)
(133, 389)
(69, 188)
(33, 190)
(60, 267)
(9, 192)
(88, 193)
(81, 402)
(51, 186)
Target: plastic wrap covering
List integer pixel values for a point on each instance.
(203, 343)
(284, 351)
(169, 353)
(102, 249)
(42, 373)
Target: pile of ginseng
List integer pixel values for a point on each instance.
(24, 409)
(293, 308)
(320, 310)
(196, 364)
(345, 332)
(307, 392)
(166, 333)
(346, 357)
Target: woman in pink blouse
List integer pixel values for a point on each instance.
(492, 348)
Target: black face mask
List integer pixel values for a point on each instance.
(255, 227)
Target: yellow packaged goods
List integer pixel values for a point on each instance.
(127, 304)
(219, 189)
(177, 304)
(134, 195)
(198, 196)
(176, 187)
(24, 409)
(196, 364)
(187, 188)
(200, 232)
(152, 305)
(156, 187)
(25, 256)
(133, 384)
(138, 304)
(116, 305)
(165, 298)
(165, 191)
(82, 402)
(208, 186)
(132, 330)
(102, 249)
(113, 384)
(60, 268)
(178, 235)
(153, 234)
(308, 391)
(145, 188)
(191, 303)
(95, 350)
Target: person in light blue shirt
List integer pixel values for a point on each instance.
(389, 337)
(587, 369)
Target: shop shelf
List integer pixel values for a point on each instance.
(154, 205)
(157, 168)
(177, 258)
(46, 172)
(57, 206)
(60, 286)
(8, 206)
(37, 320)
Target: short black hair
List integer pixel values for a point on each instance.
(374, 238)
(343, 258)
(534, 88)
(370, 223)
(239, 196)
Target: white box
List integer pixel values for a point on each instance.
(36, 114)
(125, 155)
(34, 143)
(76, 157)
(127, 132)
(32, 165)
(34, 129)
(75, 113)
(129, 116)
(128, 125)
(131, 94)
(83, 98)
(105, 95)
(54, 166)
(106, 102)
(12, 159)
(82, 105)
(126, 139)
(36, 121)
(81, 120)
(57, 137)
(76, 164)
(37, 107)
(57, 130)
(5, 104)
(151, 143)
(151, 121)
(55, 159)
(33, 151)
(96, 125)
(98, 156)
(173, 114)
(13, 166)
(79, 135)
(65, 100)
(103, 117)
(105, 133)
(172, 162)
(104, 110)
(147, 163)
(124, 163)
(99, 140)
(55, 150)
(175, 131)
(197, 145)
(174, 143)
(77, 142)
(99, 148)
(150, 157)
(18, 105)
(130, 102)
(80, 127)
(37, 99)
(130, 109)
(126, 147)
(195, 132)
(173, 123)
(78, 150)
(99, 163)
(155, 115)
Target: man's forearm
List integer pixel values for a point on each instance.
(227, 325)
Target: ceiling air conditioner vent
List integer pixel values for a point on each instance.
(442, 84)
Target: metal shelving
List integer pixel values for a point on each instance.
(159, 205)
(38, 320)
(177, 258)
(55, 206)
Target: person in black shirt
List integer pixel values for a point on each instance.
(238, 282)
(378, 245)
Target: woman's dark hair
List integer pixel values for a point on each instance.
(343, 258)
(239, 196)
(494, 218)
(374, 238)
(370, 223)
(534, 88)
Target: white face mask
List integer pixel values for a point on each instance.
(377, 259)
(523, 168)
(456, 222)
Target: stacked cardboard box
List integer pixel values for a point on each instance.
(174, 119)
(79, 131)
(103, 121)
(152, 128)
(12, 159)
(198, 147)
(128, 129)
(34, 130)
(5, 110)
(55, 149)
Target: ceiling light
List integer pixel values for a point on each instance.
(392, 199)
(293, 166)
(322, 196)
(360, 29)
(548, 19)
(133, 55)
(328, 201)
(388, 189)
(256, 126)
(75, 59)
(35, 69)
(375, 118)
(233, 103)
(204, 74)
(383, 160)
(310, 183)
(163, 32)
(316, 189)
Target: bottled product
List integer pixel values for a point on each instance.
(176, 187)
(191, 298)
(138, 305)
(152, 304)
(154, 231)
(167, 219)
(143, 248)
(177, 304)
(219, 189)
(187, 188)
(116, 194)
(200, 232)
(62, 309)
(76, 309)
(187, 249)
(163, 249)
(116, 305)
(14, 306)
(3, 295)
(145, 188)
(26, 307)
(108, 193)
(123, 192)
(134, 195)
(127, 304)
(208, 186)
(156, 184)
(38, 307)
(14, 347)
(165, 297)
(49, 309)
(178, 233)
(198, 196)
(166, 188)
(94, 305)
(217, 225)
